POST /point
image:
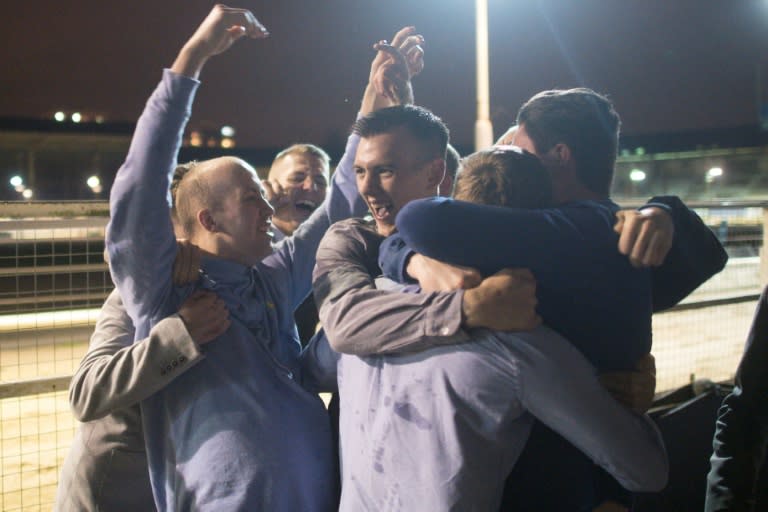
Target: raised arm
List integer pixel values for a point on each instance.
(117, 373)
(389, 84)
(140, 238)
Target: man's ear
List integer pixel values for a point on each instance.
(561, 153)
(436, 173)
(205, 219)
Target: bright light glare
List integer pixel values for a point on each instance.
(76, 117)
(27, 193)
(60, 116)
(715, 172)
(637, 175)
(16, 181)
(93, 181)
(227, 131)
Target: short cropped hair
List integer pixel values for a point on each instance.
(304, 149)
(423, 125)
(504, 176)
(582, 119)
(188, 193)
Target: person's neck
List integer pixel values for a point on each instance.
(567, 192)
(220, 252)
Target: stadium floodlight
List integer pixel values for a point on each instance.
(637, 175)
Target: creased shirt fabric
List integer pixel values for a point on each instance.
(106, 466)
(439, 429)
(587, 291)
(237, 431)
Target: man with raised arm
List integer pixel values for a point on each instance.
(237, 431)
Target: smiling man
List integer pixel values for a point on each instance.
(299, 177)
(236, 431)
(388, 146)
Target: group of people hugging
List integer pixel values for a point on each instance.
(484, 322)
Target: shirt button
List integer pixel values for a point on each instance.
(168, 368)
(175, 363)
(182, 359)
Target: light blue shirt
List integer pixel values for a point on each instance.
(441, 429)
(237, 431)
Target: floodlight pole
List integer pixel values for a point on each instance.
(483, 126)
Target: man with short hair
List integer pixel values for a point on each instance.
(504, 176)
(575, 134)
(298, 178)
(444, 426)
(236, 431)
(296, 185)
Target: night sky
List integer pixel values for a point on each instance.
(669, 65)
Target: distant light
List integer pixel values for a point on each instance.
(60, 116)
(227, 143)
(76, 117)
(16, 181)
(27, 194)
(227, 131)
(195, 139)
(713, 174)
(99, 119)
(640, 151)
(637, 175)
(93, 181)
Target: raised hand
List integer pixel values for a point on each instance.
(389, 81)
(216, 34)
(277, 196)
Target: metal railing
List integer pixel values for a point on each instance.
(53, 280)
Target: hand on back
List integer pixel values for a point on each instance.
(205, 315)
(505, 301)
(436, 276)
(645, 236)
